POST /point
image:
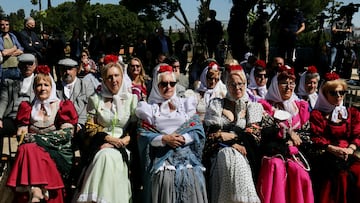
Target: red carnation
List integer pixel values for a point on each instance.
(331, 76)
(110, 58)
(260, 63)
(312, 69)
(288, 69)
(44, 69)
(213, 65)
(165, 68)
(235, 67)
(192, 124)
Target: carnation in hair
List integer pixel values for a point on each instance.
(286, 68)
(235, 67)
(331, 76)
(44, 69)
(260, 63)
(111, 58)
(165, 68)
(214, 66)
(312, 69)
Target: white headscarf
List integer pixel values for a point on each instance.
(122, 94)
(46, 103)
(155, 96)
(208, 93)
(323, 105)
(302, 91)
(274, 95)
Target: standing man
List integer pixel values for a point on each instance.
(13, 93)
(10, 48)
(29, 39)
(213, 32)
(340, 31)
(292, 23)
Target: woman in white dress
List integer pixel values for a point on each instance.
(113, 108)
(171, 143)
(231, 128)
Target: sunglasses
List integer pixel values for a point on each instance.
(289, 85)
(237, 85)
(261, 75)
(135, 66)
(166, 84)
(337, 93)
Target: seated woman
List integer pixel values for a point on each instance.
(137, 75)
(308, 84)
(283, 177)
(113, 109)
(336, 131)
(171, 143)
(211, 87)
(44, 157)
(229, 147)
(257, 81)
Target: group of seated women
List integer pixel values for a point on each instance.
(226, 142)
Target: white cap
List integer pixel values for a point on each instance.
(68, 62)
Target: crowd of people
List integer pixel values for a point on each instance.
(248, 131)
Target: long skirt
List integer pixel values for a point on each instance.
(231, 178)
(185, 184)
(283, 181)
(337, 180)
(106, 179)
(34, 167)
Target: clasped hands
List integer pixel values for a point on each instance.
(116, 142)
(173, 140)
(340, 152)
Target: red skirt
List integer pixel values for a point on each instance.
(34, 167)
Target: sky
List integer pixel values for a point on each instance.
(190, 7)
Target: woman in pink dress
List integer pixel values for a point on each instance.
(336, 133)
(284, 174)
(44, 157)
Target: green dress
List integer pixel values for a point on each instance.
(106, 178)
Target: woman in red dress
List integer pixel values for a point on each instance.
(336, 132)
(44, 157)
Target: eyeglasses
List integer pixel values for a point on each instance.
(289, 85)
(166, 84)
(211, 79)
(337, 93)
(237, 85)
(133, 66)
(258, 75)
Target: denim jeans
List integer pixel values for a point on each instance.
(11, 73)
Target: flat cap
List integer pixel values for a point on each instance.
(68, 62)
(26, 57)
